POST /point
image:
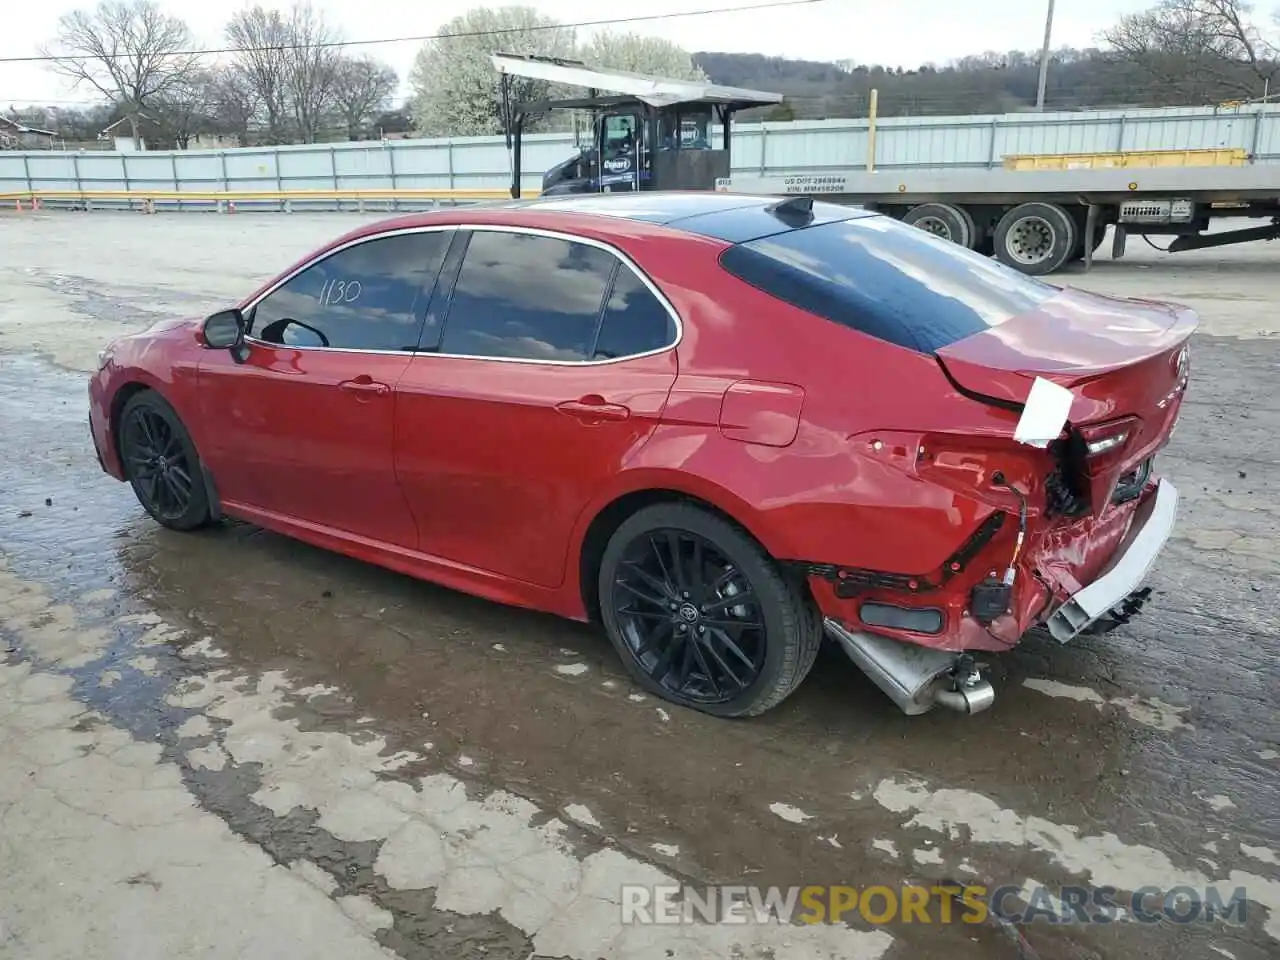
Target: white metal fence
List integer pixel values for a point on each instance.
(762, 148)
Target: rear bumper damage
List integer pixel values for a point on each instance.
(1150, 530)
(918, 678)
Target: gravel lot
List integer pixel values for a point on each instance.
(232, 745)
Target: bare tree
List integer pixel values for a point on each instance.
(183, 110)
(233, 102)
(261, 38)
(361, 90)
(312, 62)
(1202, 49)
(130, 51)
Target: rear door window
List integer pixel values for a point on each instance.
(886, 279)
(370, 296)
(527, 296)
(635, 321)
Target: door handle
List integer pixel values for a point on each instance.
(364, 385)
(594, 409)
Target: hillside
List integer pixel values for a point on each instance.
(991, 83)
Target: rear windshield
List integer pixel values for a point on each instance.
(889, 280)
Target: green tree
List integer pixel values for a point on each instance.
(455, 90)
(633, 53)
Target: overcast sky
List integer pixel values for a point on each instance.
(892, 32)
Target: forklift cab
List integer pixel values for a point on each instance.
(646, 133)
(645, 148)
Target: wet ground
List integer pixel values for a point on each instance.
(230, 744)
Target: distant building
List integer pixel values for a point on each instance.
(120, 133)
(153, 136)
(214, 141)
(18, 136)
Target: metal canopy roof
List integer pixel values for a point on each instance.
(654, 91)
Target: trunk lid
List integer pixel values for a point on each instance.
(1100, 347)
(1122, 358)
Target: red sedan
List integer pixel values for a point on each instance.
(722, 426)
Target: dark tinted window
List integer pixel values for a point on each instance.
(367, 297)
(526, 296)
(892, 281)
(635, 321)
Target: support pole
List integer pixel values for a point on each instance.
(515, 157)
(872, 107)
(1044, 58)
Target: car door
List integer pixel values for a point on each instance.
(304, 427)
(543, 369)
(619, 152)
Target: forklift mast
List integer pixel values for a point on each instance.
(647, 133)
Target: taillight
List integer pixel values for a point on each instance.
(1106, 443)
(1103, 444)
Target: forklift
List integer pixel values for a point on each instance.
(647, 133)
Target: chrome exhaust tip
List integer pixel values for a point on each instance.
(916, 678)
(972, 697)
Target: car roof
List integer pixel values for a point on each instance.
(731, 217)
(727, 217)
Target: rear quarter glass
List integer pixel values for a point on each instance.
(888, 280)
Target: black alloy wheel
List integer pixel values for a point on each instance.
(689, 616)
(161, 463)
(701, 616)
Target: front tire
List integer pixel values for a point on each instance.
(161, 463)
(701, 616)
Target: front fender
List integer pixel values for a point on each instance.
(166, 363)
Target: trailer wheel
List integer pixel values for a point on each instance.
(1036, 238)
(943, 220)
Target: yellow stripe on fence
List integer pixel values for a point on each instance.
(148, 198)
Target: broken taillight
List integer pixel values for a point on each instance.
(1097, 458)
(1105, 443)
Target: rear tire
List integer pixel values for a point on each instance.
(161, 463)
(1036, 238)
(942, 220)
(667, 587)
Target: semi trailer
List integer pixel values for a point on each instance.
(650, 133)
(1039, 220)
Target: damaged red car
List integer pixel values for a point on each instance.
(724, 427)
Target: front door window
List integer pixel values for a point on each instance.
(369, 296)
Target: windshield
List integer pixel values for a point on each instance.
(889, 280)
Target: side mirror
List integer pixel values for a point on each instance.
(224, 330)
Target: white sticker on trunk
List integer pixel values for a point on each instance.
(1046, 412)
